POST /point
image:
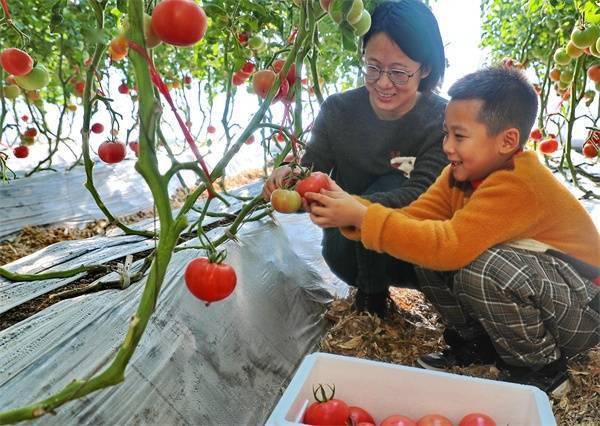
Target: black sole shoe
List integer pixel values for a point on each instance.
(460, 353)
(379, 304)
(553, 379)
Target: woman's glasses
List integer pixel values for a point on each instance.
(373, 73)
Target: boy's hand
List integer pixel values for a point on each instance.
(336, 208)
(275, 180)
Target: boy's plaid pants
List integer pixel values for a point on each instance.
(533, 306)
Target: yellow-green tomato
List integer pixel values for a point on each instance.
(286, 200)
(37, 79)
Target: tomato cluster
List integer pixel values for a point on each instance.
(327, 410)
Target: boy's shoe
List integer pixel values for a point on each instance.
(379, 304)
(552, 379)
(460, 353)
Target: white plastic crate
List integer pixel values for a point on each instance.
(384, 389)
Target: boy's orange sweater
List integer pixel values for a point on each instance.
(446, 228)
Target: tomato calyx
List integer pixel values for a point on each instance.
(320, 394)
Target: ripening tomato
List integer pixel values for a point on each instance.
(477, 419)
(359, 415)
(313, 183)
(397, 420)
(210, 281)
(135, 147)
(111, 152)
(434, 420)
(291, 75)
(333, 412)
(123, 89)
(119, 45)
(21, 151)
(548, 146)
(593, 73)
(262, 82)
(97, 128)
(285, 200)
(179, 22)
(325, 5)
(250, 140)
(590, 150)
(31, 132)
(15, 61)
(536, 134)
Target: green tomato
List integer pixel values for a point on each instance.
(566, 76)
(355, 12)
(11, 91)
(573, 51)
(561, 57)
(37, 79)
(363, 24)
(583, 37)
(338, 10)
(256, 43)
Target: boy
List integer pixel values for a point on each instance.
(506, 254)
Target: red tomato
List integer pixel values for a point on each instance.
(284, 89)
(285, 200)
(237, 79)
(536, 134)
(279, 137)
(135, 147)
(365, 424)
(262, 82)
(211, 129)
(247, 68)
(589, 150)
(179, 22)
(434, 420)
(359, 415)
(21, 151)
(111, 152)
(397, 420)
(291, 75)
(80, 87)
(15, 61)
(313, 183)
(97, 128)
(250, 140)
(25, 118)
(477, 419)
(331, 413)
(31, 132)
(243, 37)
(123, 89)
(187, 79)
(209, 281)
(548, 146)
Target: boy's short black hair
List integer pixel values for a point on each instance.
(412, 26)
(509, 100)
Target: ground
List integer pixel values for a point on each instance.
(413, 330)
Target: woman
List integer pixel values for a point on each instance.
(382, 141)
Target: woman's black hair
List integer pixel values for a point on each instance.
(412, 26)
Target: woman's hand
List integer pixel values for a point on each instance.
(336, 208)
(277, 179)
